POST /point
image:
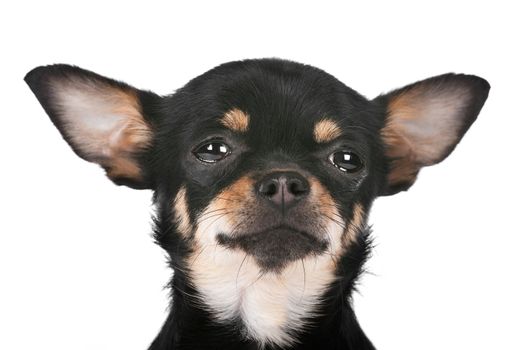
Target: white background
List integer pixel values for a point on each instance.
(78, 269)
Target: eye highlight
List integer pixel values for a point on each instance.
(212, 152)
(346, 161)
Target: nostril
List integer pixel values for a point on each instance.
(297, 187)
(268, 188)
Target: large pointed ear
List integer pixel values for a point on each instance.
(425, 121)
(103, 120)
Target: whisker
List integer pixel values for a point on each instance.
(337, 222)
(239, 270)
(226, 199)
(196, 257)
(261, 274)
(220, 216)
(207, 217)
(234, 229)
(214, 210)
(304, 280)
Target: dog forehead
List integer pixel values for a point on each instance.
(281, 97)
(289, 127)
(267, 104)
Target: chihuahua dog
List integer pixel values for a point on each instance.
(263, 173)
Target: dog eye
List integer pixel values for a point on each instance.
(346, 161)
(212, 152)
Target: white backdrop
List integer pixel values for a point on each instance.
(78, 269)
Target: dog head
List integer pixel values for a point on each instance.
(263, 171)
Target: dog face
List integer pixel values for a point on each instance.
(272, 167)
(263, 171)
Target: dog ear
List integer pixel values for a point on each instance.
(425, 121)
(103, 120)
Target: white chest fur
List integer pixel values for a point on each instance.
(271, 306)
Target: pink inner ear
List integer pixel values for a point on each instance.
(423, 124)
(103, 123)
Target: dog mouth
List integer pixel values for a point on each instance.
(274, 248)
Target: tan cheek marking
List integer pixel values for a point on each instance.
(236, 120)
(333, 222)
(326, 130)
(182, 217)
(325, 200)
(350, 236)
(234, 199)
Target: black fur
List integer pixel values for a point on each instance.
(285, 100)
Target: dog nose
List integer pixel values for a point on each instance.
(283, 189)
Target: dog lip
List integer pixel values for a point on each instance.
(283, 227)
(275, 247)
(236, 239)
(291, 229)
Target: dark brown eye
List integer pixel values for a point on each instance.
(346, 161)
(212, 152)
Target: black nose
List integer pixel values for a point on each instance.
(283, 189)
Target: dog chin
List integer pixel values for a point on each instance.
(274, 248)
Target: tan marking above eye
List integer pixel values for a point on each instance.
(236, 120)
(326, 130)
